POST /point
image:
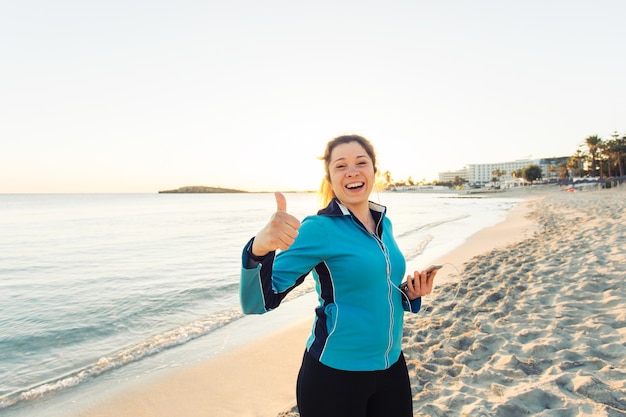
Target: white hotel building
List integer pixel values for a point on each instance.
(482, 174)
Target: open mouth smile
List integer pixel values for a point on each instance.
(355, 185)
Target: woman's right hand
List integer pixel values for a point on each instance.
(279, 232)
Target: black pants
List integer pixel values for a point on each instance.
(327, 392)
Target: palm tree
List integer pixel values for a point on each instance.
(621, 150)
(497, 174)
(575, 163)
(552, 169)
(386, 177)
(607, 154)
(617, 149)
(562, 170)
(593, 143)
(458, 181)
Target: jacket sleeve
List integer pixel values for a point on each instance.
(251, 286)
(414, 306)
(266, 281)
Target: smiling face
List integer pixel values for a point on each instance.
(351, 174)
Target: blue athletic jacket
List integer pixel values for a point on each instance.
(358, 323)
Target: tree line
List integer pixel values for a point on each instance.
(596, 157)
(604, 158)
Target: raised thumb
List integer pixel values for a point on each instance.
(281, 201)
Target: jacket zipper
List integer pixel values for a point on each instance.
(385, 253)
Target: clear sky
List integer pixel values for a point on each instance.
(148, 95)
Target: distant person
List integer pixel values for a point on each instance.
(353, 363)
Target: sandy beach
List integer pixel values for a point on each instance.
(534, 328)
(527, 318)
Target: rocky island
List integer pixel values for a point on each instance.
(200, 189)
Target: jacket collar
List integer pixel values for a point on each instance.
(335, 208)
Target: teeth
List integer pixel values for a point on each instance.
(357, 185)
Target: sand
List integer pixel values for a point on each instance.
(527, 318)
(535, 328)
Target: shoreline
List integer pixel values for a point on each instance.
(515, 227)
(476, 348)
(255, 388)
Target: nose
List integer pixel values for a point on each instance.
(354, 172)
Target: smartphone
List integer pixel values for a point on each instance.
(404, 287)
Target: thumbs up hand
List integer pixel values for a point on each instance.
(279, 232)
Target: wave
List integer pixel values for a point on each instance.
(431, 225)
(421, 247)
(123, 357)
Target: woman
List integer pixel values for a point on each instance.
(353, 363)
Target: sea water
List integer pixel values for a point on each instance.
(95, 285)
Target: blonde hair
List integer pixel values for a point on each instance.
(326, 193)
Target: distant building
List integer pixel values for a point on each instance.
(482, 174)
(450, 176)
(479, 175)
(550, 167)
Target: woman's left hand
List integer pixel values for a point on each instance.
(420, 284)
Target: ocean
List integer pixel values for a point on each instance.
(96, 288)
